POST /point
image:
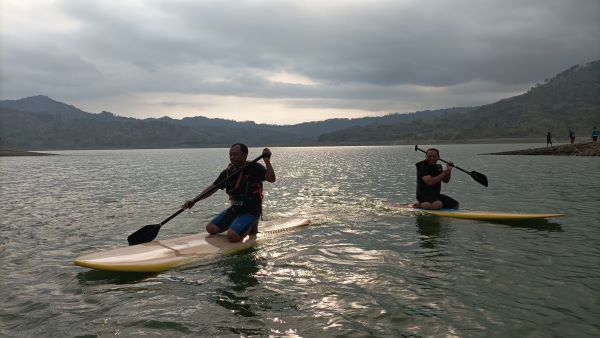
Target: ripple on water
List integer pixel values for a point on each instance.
(363, 269)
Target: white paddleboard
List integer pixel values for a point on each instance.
(166, 254)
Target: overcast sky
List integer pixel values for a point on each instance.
(285, 62)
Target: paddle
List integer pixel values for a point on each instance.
(479, 177)
(149, 232)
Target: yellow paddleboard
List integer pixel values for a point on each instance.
(157, 256)
(487, 215)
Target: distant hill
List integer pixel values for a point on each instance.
(43, 104)
(39, 122)
(310, 130)
(35, 130)
(569, 101)
(314, 129)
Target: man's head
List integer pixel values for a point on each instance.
(238, 153)
(432, 155)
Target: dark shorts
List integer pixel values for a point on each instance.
(447, 201)
(239, 222)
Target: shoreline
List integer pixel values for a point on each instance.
(11, 152)
(575, 149)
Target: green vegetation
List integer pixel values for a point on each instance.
(569, 101)
(39, 122)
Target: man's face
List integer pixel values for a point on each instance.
(236, 156)
(432, 157)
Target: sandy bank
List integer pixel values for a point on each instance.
(576, 149)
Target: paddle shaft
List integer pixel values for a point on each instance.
(207, 193)
(455, 166)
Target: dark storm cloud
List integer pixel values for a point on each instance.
(437, 43)
(372, 55)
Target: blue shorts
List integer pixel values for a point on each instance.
(241, 223)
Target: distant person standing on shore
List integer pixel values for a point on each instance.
(595, 134)
(572, 136)
(548, 139)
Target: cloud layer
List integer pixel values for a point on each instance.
(288, 61)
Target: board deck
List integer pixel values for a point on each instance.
(157, 256)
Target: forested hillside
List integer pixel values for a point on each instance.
(39, 122)
(569, 101)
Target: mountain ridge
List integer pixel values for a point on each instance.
(568, 101)
(57, 125)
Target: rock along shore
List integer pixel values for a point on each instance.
(576, 149)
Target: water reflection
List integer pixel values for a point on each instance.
(429, 229)
(535, 224)
(95, 277)
(366, 265)
(241, 270)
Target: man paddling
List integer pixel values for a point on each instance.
(430, 176)
(245, 194)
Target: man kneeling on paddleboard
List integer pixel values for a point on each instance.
(430, 176)
(244, 188)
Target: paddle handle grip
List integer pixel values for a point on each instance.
(455, 166)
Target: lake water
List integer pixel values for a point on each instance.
(362, 269)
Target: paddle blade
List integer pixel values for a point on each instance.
(144, 235)
(479, 177)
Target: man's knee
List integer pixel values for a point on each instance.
(233, 237)
(212, 229)
(449, 202)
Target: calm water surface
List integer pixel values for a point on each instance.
(363, 269)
